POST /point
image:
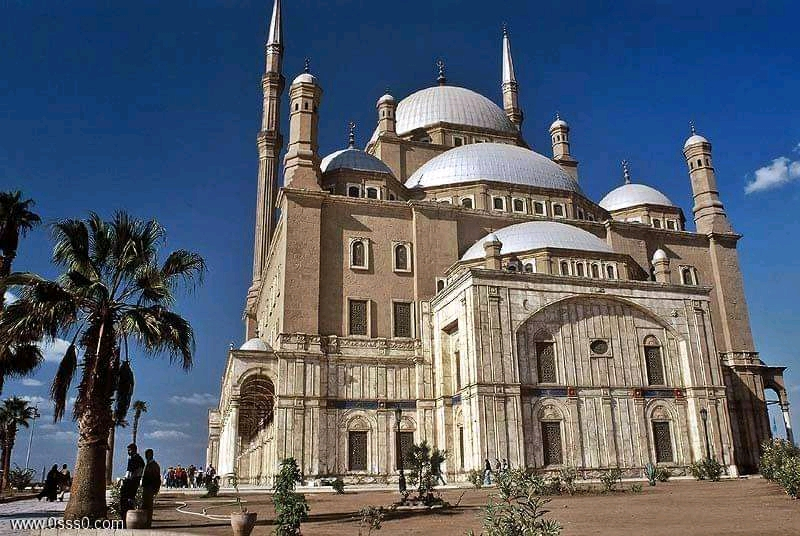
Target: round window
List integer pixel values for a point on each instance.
(599, 347)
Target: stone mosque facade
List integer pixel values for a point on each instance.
(449, 284)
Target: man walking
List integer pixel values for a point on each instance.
(151, 483)
(66, 481)
(130, 484)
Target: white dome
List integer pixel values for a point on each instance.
(631, 195)
(537, 235)
(694, 139)
(449, 104)
(559, 123)
(660, 255)
(385, 98)
(305, 78)
(492, 161)
(255, 345)
(353, 159)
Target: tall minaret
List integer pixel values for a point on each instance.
(559, 136)
(709, 213)
(510, 86)
(301, 163)
(269, 142)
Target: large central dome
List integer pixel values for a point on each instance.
(450, 104)
(493, 162)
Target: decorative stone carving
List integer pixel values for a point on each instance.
(549, 412)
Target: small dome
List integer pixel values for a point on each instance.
(694, 139)
(255, 345)
(491, 237)
(537, 235)
(559, 123)
(660, 255)
(631, 195)
(386, 99)
(495, 162)
(305, 78)
(355, 159)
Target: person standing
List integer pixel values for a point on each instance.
(50, 489)
(487, 473)
(130, 484)
(151, 483)
(66, 481)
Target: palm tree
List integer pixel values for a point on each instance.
(139, 407)
(113, 290)
(16, 219)
(17, 357)
(14, 413)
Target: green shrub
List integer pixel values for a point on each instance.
(697, 470)
(475, 478)
(610, 479)
(568, 475)
(651, 473)
(338, 485)
(291, 508)
(371, 519)
(663, 474)
(788, 476)
(212, 487)
(708, 469)
(636, 487)
(780, 462)
(20, 478)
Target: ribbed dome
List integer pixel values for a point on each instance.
(631, 195)
(495, 162)
(449, 104)
(537, 235)
(254, 345)
(356, 159)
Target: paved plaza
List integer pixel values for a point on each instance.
(28, 509)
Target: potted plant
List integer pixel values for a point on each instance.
(242, 522)
(137, 517)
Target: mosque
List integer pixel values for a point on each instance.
(449, 284)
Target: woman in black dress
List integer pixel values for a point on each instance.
(50, 489)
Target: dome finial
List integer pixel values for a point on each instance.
(691, 126)
(442, 79)
(505, 29)
(626, 173)
(558, 117)
(307, 66)
(352, 135)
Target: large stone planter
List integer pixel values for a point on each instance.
(136, 519)
(242, 523)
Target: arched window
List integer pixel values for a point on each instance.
(519, 205)
(564, 268)
(661, 423)
(358, 254)
(499, 203)
(357, 444)
(392, 197)
(401, 261)
(529, 267)
(545, 358)
(610, 272)
(466, 202)
(440, 283)
(653, 361)
(656, 223)
(512, 267)
(688, 275)
(538, 208)
(595, 271)
(579, 269)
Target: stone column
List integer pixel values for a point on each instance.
(231, 440)
(787, 422)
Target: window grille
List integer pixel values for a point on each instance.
(402, 319)
(663, 441)
(358, 317)
(551, 443)
(357, 451)
(655, 369)
(545, 362)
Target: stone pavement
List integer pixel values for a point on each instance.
(28, 509)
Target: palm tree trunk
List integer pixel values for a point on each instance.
(10, 436)
(110, 456)
(88, 493)
(135, 428)
(5, 456)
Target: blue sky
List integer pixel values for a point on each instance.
(154, 106)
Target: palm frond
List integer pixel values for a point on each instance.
(71, 249)
(187, 265)
(62, 381)
(124, 392)
(160, 330)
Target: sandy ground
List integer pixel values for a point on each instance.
(744, 507)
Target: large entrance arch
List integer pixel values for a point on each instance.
(256, 416)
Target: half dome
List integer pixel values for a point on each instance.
(631, 195)
(354, 159)
(254, 345)
(537, 235)
(495, 162)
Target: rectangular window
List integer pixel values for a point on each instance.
(656, 223)
(655, 370)
(551, 443)
(461, 446)
(518, 205)
(458, 141)
(358, 317)
(406, 442)
(538, 208)
(545, 362)
(672, 225)
(663, 441)
(357, 451)
(402, 319)
(498, 203)
(558, 210)
(457, 365)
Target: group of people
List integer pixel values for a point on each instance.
(188, 477)
(489, 469)
(139, 472)
(57, 481)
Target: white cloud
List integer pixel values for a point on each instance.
(166, 424)
(781, 171)
(10, 297)
(30, 382)
(61, 435)
(166, 434)
(36, 401)
(195, 399)
(54, 351)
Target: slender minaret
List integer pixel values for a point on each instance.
(301, 163)
(387, 107)
(709, 213)
(510, 86)
(559, 136)
(269, 147)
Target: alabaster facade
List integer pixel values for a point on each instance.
(453, 277)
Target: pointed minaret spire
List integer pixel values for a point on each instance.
(351, 142)
(626, 173)
(442, 79)
(275, 26)
(509, 83)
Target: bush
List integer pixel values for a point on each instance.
(610, 479)
(651, 473)
(20, 478)
(663, 474)
(371, 519)
(780, 462)
(788, 476)
(212, 487)
(568, 475)
(708, 469)
(697, 470)
(338, 485)
(424, 466)
(291, 508)
(475, 478)
(636, 487)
